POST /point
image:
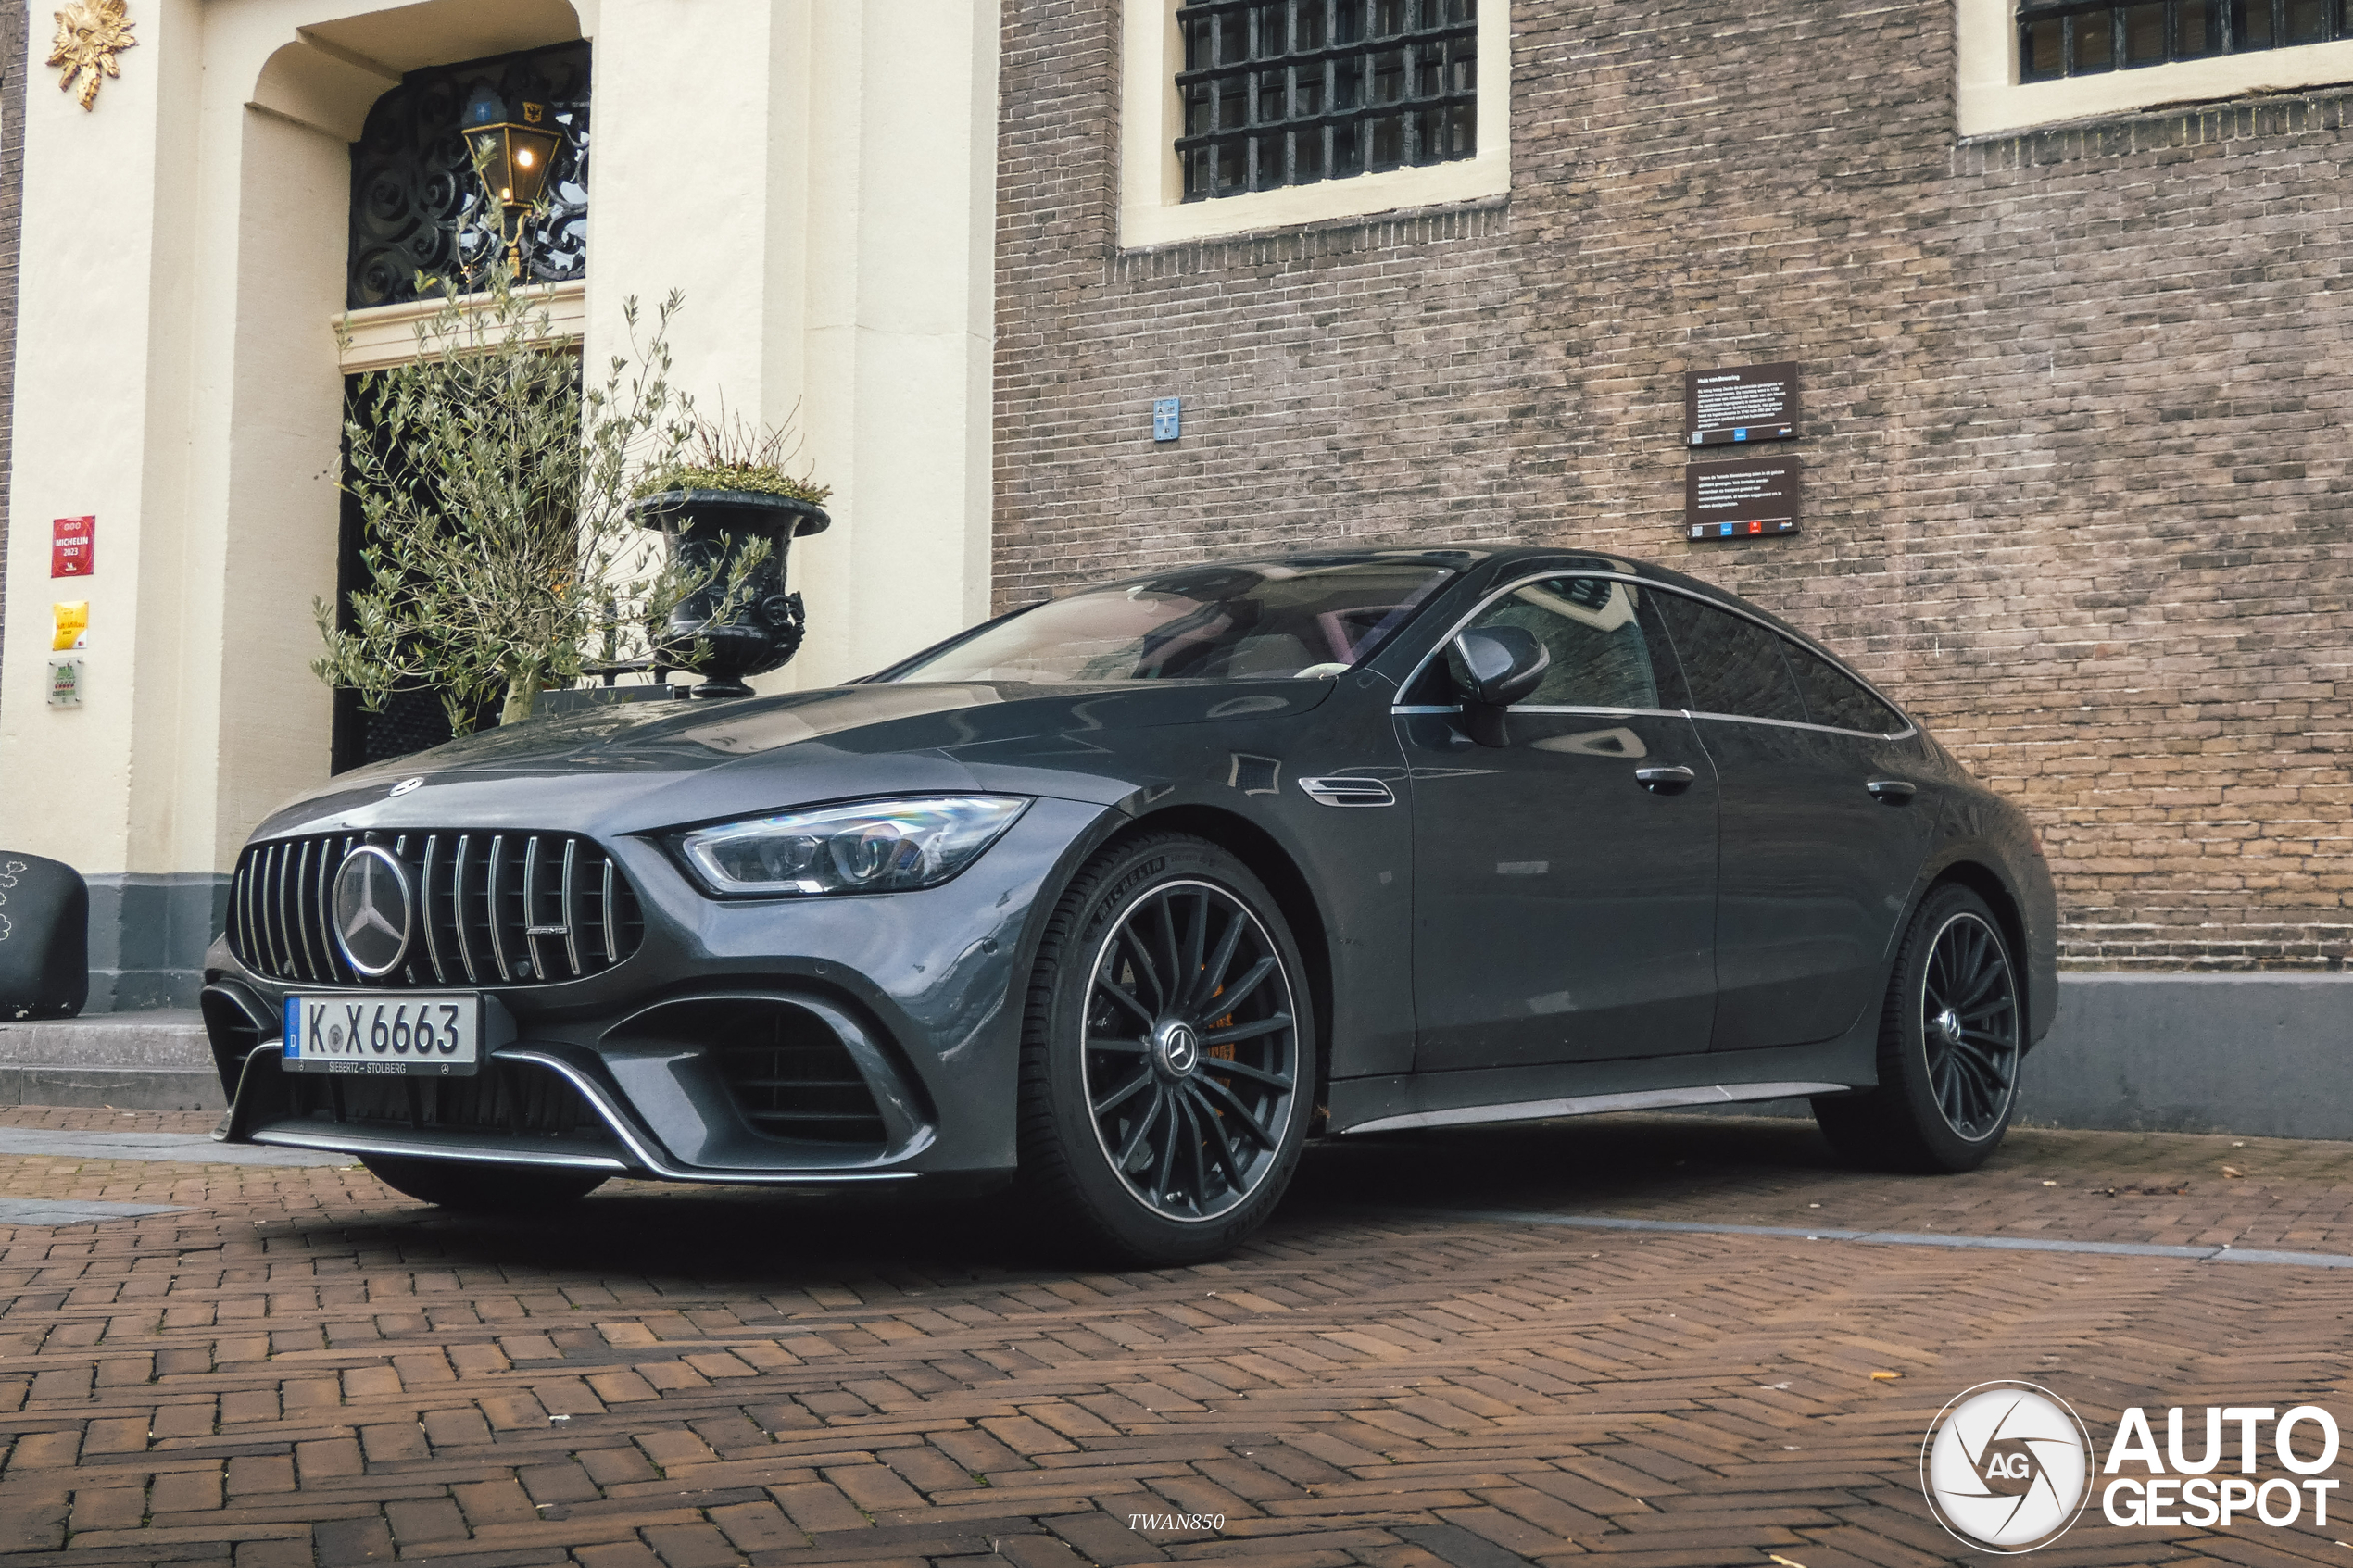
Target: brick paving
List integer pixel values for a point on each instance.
(304, 1368)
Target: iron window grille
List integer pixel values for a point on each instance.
(2057, 38)
(1291, 91)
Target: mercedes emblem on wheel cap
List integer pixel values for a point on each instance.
(1179, 1046)
(372, 908)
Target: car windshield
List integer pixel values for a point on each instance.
(1246, 620)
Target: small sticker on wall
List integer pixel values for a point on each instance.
(65, 683)
(72, 625)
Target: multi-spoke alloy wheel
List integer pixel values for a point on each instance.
(1168, 1058)
(1190, 1062)
(1951, 1034)
(1968, 1023)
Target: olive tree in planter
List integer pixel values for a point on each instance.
(495, 490)
(729, 507)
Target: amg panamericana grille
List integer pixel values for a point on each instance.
(489, 909)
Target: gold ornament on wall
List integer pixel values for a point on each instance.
(90, 34)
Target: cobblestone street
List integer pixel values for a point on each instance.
(1421, 1361)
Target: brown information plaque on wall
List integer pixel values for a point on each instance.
(1749, 499)
(1755, 403)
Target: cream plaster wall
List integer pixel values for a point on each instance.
(102, 349)
(177, 375)
(899, 212)
(842, 201)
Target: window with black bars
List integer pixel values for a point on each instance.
(2059, 38)
(1291, 91)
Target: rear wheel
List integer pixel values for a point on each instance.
(1167, 1058)
(484, 1186)
(1951, 1036)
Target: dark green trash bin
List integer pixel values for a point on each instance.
(45, 938)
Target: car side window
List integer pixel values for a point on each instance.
(1834, 698)
(1733, 664)
(1599, 640)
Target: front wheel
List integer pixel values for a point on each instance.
(1167, 1055)
(483, 1186)
(1951, 1036)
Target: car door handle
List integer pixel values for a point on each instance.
(1347, 792)
(1665, 780)
(1891, 792)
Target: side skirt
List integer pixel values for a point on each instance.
(1592, 1105)
(1486, 1096)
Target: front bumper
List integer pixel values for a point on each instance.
(823, 1042)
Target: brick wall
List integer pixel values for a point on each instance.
(15, 64)
(2077, 488)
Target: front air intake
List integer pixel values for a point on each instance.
(788, 1070)
(800, 1083)
(519, 1101)
(489, 909)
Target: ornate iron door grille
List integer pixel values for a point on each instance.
(415, 201)
(2059, 38)
(1291, 91)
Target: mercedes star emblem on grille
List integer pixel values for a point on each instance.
(372, 907)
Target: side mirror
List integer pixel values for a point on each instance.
(1495, 667)
(1498, 665)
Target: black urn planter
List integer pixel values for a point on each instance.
(706, 531)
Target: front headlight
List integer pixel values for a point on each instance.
(871, 846)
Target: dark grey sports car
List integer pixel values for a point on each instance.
(1127, 895)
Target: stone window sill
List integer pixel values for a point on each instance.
(1988, 100)
(1153, 211)
(385, 335)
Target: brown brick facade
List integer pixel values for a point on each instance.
(2077, 491)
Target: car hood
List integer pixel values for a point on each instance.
(638, 765)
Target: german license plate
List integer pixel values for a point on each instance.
(432, 1034)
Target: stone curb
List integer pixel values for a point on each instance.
(130, 1061)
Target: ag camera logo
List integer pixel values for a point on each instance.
(2006, 1467)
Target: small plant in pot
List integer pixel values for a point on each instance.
(729, 507)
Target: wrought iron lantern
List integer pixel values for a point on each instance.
(513, 154)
